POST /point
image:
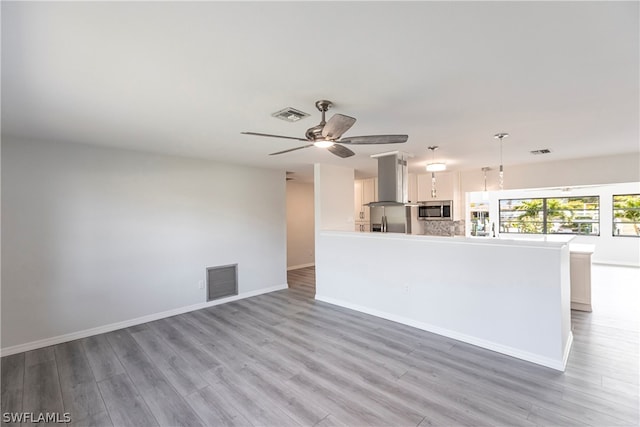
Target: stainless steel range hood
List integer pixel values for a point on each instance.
(392, 179)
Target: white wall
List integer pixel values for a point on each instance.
(94, 236)
(334, 194)
(586, 171)
(486, 292)
(300, 225)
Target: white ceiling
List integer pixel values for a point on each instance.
(187, 78)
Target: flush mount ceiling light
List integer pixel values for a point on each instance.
(500, 136)
(435, 166)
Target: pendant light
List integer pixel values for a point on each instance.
(500, 136)
(434, 167)
(485, 194)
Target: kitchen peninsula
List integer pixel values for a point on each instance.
(509, 296)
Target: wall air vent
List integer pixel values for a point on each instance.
(541, 151)
(222, 281)
(290, 114)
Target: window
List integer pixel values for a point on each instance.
(522, 216)
(574, 215)
(626, 215)
(558, 215)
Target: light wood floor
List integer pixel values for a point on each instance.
(283, 359)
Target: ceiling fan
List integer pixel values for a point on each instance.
(327, 134)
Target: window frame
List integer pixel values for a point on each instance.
(613, 216)
(544, 210)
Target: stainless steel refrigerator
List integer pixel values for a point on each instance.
(392, 219)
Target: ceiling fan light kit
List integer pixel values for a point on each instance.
(327, 134)
(323, 143)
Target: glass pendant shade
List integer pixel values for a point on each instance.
(434, 167)
(500, 136)
(485, 193)
(433, 185)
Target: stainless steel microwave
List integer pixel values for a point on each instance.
(435, 209)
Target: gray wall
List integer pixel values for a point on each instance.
(94, 236)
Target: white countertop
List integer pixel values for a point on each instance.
(481, 241)
(582, 248)
(550, 241)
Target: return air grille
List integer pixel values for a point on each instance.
(222, 281)
(290, 114)
(541, 151)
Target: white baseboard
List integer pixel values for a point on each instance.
(581, 306)
(617, 264)
(558, 365)
(131, 322)
(567, 350)
(297, 267)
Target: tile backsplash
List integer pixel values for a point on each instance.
(443, 228)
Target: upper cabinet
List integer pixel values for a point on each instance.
(365, 192)
(412, 188)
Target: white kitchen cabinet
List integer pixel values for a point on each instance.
(363, 226)
(369, 190)
(580, 267)
(412, 188)
(365, 191)
(357, 200)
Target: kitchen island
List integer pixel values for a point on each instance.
(509, 296)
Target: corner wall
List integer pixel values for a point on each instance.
(94, 236)
(334, 193)
(300, 225)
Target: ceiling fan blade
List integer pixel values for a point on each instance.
(274, 136)
(292, 149)
(375, 139)
(337, 125)
(340, 151)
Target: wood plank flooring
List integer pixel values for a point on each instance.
(284, 359)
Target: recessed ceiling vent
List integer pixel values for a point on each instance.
(290, 114)
(541, 151)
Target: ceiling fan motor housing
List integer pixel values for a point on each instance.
(315, 133)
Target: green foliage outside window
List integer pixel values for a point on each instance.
(563, 215)
(626, 215)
